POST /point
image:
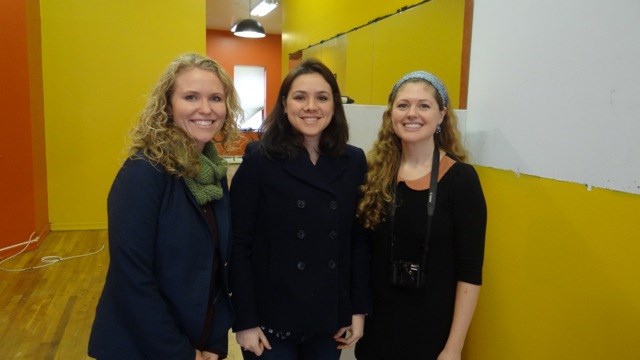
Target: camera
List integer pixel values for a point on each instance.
(407, 274)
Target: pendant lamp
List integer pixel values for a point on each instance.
(248, 28)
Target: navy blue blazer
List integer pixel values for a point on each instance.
(155, 299)
(300, 259)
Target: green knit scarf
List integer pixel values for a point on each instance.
(206, 186)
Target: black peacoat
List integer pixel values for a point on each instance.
(300, 259)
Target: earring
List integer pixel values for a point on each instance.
(438, 129)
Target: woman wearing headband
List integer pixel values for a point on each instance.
(426, 214)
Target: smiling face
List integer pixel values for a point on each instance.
(309, 106)
(415, 113)
(198, 104)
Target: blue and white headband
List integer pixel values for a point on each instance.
(429, 77)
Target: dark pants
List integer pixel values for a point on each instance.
(288, 346)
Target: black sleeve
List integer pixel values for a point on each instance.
(245, 197)
(361, 301)
(134, 205)
(470, 220)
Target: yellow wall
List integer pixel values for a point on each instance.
(100, 60)
(370, 59)
(308, 22)
(305, 23)
(561, 270)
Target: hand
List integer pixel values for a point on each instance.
(253, 340)
(447, 354)
(209, 355)
(349, 336)
(199, 355)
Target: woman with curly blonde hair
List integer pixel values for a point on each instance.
(156, 134)
(384, 159)
(426, 214)
(165, 295)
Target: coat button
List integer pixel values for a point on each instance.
(230, 293)
(333, 205)
(300, 234)
(331, 264)
(226, 264)
(333, 235)
(301, 204)
(301, 265)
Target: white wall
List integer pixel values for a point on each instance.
(554, 90)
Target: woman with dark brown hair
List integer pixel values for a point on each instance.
(299, 269)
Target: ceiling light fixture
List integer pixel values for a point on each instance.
(248, 28)
(264, 7)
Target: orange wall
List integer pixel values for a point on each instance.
(23, 194)
(39, 154)
(230, 50)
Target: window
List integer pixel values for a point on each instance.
(250, 82)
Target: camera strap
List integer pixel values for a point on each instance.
(431, 207)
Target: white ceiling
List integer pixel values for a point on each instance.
(222, 14)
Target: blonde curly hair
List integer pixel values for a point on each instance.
(164, 143)
(383, 159)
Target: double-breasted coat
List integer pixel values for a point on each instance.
(157, 291)
(300, 259)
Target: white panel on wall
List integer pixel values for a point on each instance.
(364, 122)
(554, 90)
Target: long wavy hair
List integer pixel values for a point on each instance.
(166, 144)
(280, 139)
(384, 159)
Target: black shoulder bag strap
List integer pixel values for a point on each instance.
(431, 202)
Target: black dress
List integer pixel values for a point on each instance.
(415, 324)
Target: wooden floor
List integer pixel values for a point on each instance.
(47, 313)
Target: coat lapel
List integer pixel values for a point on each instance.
(326, 170)
(222, 211)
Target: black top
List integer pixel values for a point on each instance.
(214, 287)
(414, 324)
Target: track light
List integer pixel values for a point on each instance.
(264, 7)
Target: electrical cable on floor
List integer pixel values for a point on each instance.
(47, 260)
